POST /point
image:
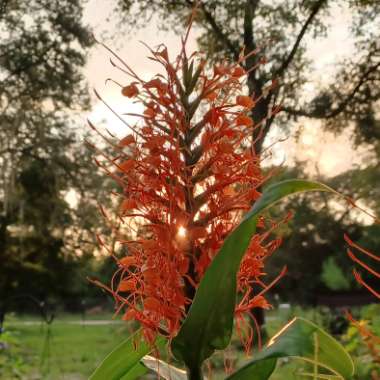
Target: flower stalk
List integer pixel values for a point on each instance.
(195, 373)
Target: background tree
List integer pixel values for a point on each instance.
(313, 246)
(43, 46)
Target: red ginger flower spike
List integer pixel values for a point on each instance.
(187, 174)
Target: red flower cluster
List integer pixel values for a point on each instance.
(187, 173)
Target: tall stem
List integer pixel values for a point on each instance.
(189, 194)
(195, 373)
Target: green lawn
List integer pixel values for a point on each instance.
(68, 351)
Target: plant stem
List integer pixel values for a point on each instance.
(195, 373)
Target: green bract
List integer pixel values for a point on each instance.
(123, 363)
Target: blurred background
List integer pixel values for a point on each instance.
(325, 55)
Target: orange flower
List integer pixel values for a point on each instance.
(245, 101)
(238, 71)
(188, 174)
(130, 91)
(127, 140)
(244, 120)
(127, 285)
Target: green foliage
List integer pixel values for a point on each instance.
(72, 349)
(367, 367)
(123, 363)
(12, 364)
(333, 276)
(305, 340)
(315, 233)
(300, 339)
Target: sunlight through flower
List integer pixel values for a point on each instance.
(181, 232)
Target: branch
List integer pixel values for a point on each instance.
(341, 107)
(300, 113)
(216, 29)
(318, 5)
(250, 10)
(254, 84)
(349, 97)
(219, 33)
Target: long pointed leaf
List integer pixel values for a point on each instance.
(303, 339)
(261, 370)
(123, 363)
(209, 323)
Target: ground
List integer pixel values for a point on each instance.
(71, 348)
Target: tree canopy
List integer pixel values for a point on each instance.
(43, 46)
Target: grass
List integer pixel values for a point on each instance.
(63, 351)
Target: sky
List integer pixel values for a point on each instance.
(322, 153)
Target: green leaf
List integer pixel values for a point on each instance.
(261, 370)
(123, 363)
(209, 323)
(163, 369)
(305, 340)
